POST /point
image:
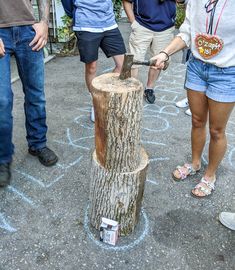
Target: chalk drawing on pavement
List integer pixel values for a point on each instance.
(5, 224)
(136, 242)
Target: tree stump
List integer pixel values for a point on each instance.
(119, 162)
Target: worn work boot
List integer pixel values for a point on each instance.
(5, 174)
(45, 155)
(228, 220)
(149, 95)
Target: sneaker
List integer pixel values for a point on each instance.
(45, 155)
(182, 103)
(188, 112)
(149, 95)
(228, 220)
(5, 174)
(92, 114)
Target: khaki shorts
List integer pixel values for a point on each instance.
(142, 39)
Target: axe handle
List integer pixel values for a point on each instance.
(150, 63)
(144, 63)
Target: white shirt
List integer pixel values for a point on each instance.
(95, 30)
(195, 23)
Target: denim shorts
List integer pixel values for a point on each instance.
(110, 41)
(217, 83)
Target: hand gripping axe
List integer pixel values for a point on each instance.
(129, 61)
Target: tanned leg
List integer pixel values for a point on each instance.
(118, 59)
(218, 118)
(199, 106)
(152, 77)
(90, 73)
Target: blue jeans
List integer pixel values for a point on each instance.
(31, 71)
(215, 82)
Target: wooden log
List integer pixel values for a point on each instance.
(116, 195)
(118, 111)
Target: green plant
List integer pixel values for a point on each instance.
(117, 5)
(65, 32)
(180, 15)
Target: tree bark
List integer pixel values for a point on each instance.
(119, 162)
(117, 196)
(118, 111)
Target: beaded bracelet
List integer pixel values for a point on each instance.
(167, 55)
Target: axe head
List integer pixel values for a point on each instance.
(126, 67)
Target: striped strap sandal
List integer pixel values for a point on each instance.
(204, 188)
(182, 172)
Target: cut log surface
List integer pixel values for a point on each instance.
(118, 110)
(117, 196)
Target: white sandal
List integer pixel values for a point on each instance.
(205, 187)
(184, 171)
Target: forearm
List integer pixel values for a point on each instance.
(44, 10)
(129, 10)
(176, 45)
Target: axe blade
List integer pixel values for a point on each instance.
(126, 67)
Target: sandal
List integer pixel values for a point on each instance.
(205, 187)
(184, 171)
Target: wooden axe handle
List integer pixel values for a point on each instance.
(150, 63)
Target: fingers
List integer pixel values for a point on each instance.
(40, 39)
(159, 62)
(2, 49)
(39, 44)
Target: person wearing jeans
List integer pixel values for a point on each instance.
(21, 36)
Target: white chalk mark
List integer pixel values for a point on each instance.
(154, 143)
(162, 99)
(162, 110)
(70, 164)
(83, 138)
(230, 134)
(73, 145)
(55, 181)
(117, 248)
(157, 159)
(77, 121)
(21, 195)
(31, 178)
(70, 140)
(5, 225)
(86, 109)
(230, 157)
(151, 182)
(166, 124)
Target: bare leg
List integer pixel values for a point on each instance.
(152, 77)
(90, 73)
(118, 59)
(134, 73)
(218, 117)
(199, 106)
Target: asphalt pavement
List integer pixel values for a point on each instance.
(43, 213)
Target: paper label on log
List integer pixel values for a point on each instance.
(109, 231)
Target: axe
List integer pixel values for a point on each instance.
(129, 61)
